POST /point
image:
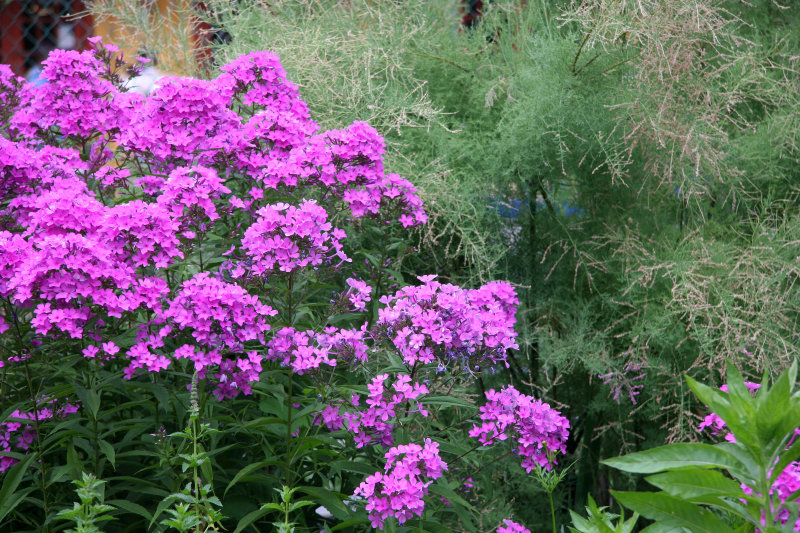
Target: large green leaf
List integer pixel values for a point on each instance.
(673, 456)
(9, 497)
(695, 483)
(666, 509)
(245, 473)
(735, 407)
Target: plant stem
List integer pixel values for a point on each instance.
(194, 468)
(552, 510)
(289, 434)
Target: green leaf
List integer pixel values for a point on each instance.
(133, 508)
(251, 517)
(9, 498)
(673, 456)
(442, 488)
(244, 472)
(695, 483)
(90, 399)
(447, 401)
(663, 508)
(108, 451)
(331, 500)
(662, 528)
(348, 524)
(354, 466)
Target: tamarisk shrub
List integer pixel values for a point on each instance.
(206, 253)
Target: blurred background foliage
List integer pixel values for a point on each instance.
(631, 165)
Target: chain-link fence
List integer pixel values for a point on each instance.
(30, 29)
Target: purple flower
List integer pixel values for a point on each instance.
(399, 490)
(534, 426)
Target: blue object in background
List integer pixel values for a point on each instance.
(514, 207)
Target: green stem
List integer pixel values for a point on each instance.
(552, 510)
(289, 455)
(194, 469)
(42, 462)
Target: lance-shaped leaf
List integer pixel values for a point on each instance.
(671, 511)
(672, 456)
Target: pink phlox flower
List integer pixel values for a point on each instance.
(445, 323)
(299, 350)
(77, 99)
(358, 294)
(374, 422)
(512, 527)
(17, 436)
(400, 489)
(287, 238)
(535, 427)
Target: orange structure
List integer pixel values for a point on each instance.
(29, 29)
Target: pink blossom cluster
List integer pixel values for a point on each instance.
(16, 435)
(788, 483)
(352, 168)
(400, 489)
(536, 428)
(348, 346)
(78, 100)
(190, 192)
(374, 423)
(358, 294)
(259, 80)
(219, 318)
(77, 256)
(184, 121)
(288, 238)
(103, 193)
(510, 526)
(305, 351)
(784, 486)
(298, 350)
(450, 325)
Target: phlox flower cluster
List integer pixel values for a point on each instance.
(260, 80)
(101, 190)
(784, 486)
(358, 294)
(444, 323)
(348, 346)
(533, 425)
(305, 351)
(183, 121)
(77, 256)
(510, 526)
(17, 435)
(192, 191)
(399, 490)
(10, 86)
(287, 238)
(219, 318)
(375, 421)
(352, 169)
(788, 483)
(78, 100)
(298, 350)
